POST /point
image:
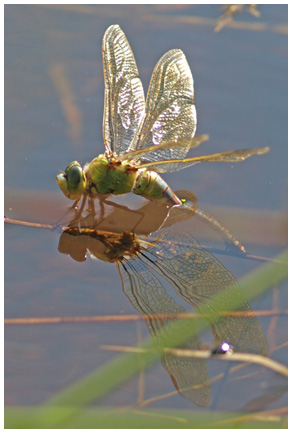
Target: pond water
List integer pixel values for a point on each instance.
(53, 115)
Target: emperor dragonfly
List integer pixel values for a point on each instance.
(142, 138)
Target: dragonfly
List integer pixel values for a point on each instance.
(146, 265)
(143, 137)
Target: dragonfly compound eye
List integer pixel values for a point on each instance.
(72, 182)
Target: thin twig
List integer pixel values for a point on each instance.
(206, 354)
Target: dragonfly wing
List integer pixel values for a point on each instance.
(170, 110)
(149, 297)
(124, 102)
(197, 276)
(135, 155)
(179, 164)
(168, 166)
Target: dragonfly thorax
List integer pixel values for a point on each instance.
(108, 175)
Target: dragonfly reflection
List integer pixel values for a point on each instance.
(146, 267)
(142, 138)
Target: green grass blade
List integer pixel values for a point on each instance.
(121, 418)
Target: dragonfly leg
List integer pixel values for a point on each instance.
(84, 220)
(89, 220)
(73, 207)
(102, 202)
(78, 211)
(231, 239)
(101, 214)
(125, 208)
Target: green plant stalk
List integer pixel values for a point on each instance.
(129, 418)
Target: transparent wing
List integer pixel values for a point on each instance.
(135, 155)
(179, 164)
(124, 102)
(170, 110)
(148, 296)
(197, 275)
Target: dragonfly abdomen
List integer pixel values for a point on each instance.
(151, 186)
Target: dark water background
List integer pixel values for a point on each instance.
(53, 115)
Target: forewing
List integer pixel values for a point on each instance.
(170, 110)
(124, 102)
(135, 155)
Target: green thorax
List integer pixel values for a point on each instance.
(110, 176)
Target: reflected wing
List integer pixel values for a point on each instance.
(124, 103)
(149, 297)
(197, 275)
(179, 164)
(170, 110)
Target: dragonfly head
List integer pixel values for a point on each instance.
(72, 182)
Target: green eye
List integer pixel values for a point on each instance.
(72, 182)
